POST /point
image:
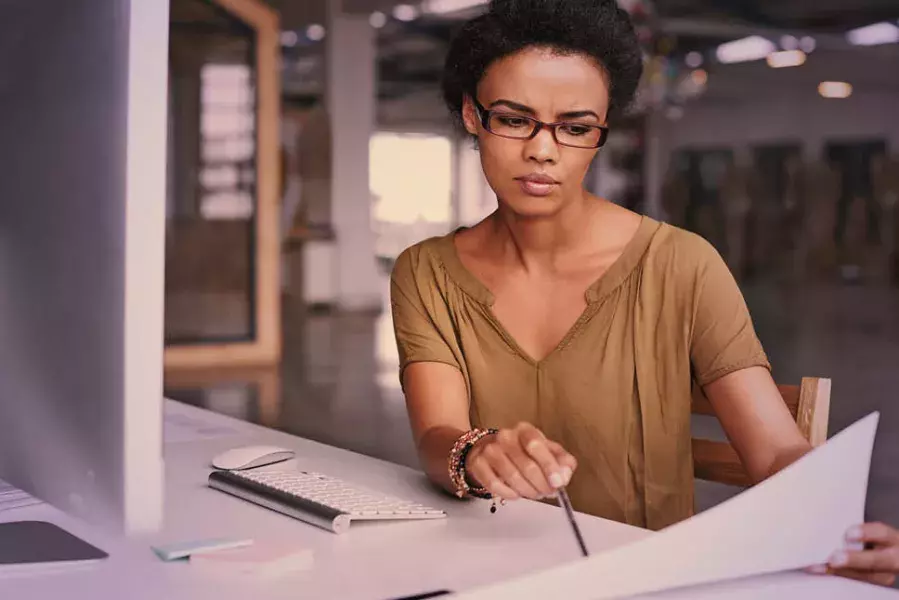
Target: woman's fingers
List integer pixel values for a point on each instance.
(884, 579)
(564, 458)
(521, 462)
(878, 560)
(481, 471)
(878, 534)
(878, 563)
(536, 447)
(507, 469)
(524, 465)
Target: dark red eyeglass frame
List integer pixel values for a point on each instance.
(485, 114)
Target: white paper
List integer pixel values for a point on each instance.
(180, 427)
(794, 519)
(779, 586)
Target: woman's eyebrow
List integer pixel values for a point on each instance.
(513, 106)
(574, 114)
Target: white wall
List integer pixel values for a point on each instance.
(752, 104)
(421, 112)
(807, 118)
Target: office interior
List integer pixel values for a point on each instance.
(766, 129)
(306, 145)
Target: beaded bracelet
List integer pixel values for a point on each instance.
(457, 459)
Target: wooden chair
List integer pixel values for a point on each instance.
(809, 404)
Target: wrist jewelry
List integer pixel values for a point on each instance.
(457, 459)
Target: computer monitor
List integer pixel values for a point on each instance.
(82, 230)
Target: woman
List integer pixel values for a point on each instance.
(572, 327)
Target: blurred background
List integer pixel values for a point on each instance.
(309, 146)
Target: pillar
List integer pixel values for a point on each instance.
(351, 100)
(655, 163)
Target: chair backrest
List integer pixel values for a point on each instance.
(809, 403)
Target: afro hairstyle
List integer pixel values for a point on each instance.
(598, 29)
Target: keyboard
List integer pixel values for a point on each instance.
(318, 499)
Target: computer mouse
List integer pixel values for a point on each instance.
(250, 457)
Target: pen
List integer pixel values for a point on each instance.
(569, 512)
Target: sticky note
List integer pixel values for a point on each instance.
(180, 550)
(261, 559)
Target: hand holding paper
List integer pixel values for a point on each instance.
(876, 564)
(790, 521)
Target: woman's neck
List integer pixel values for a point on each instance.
(541, 244)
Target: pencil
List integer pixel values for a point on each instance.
(569, 512)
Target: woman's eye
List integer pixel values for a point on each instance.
(576, 130)
(513, 121)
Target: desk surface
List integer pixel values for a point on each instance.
(372, 561)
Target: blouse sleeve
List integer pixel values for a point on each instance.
(414, 301)
(723, 337)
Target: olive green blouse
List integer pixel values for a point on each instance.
(616, 391)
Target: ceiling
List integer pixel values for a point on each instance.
(298, 14)
(834, 15)
(811, 15)
(410, 55)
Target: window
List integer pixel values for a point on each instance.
(227, 170)
(411, 183)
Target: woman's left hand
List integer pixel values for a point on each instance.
(878, 563)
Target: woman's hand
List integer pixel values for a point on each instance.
(519, 463)
(878, 563)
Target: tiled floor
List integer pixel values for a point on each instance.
(338, 381)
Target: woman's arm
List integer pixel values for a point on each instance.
(767, 439)
(728, 361)
(757, 421)
(436, 400)
(518, 462)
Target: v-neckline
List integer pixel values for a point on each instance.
(608, 282)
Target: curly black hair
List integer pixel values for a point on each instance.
(599, 29)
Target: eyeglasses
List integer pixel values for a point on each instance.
(519, 127)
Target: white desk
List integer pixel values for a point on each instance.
(374, 561)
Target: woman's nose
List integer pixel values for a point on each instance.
(542, 147)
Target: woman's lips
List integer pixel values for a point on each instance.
(537, 185)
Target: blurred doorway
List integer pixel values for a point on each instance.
(704, 171)
(857, 214)
(772, 164)
(222, 289)
(777, 205)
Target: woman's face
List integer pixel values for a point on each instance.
(549, 87)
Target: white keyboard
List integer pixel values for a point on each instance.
(317, 499)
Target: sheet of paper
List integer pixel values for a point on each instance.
(792, 520)
(779, 586)
(181, 427)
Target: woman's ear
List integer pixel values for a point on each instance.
(469, 115)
